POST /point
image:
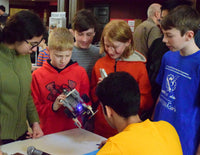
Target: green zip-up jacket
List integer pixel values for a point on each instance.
(16, 103)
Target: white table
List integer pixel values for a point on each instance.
(71, 142)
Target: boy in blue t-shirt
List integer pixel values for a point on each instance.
(179, 76)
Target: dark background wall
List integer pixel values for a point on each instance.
(133, 9)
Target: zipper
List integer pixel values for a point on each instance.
(115, 66)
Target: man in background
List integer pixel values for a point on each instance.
(148, 31)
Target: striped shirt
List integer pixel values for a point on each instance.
(42, 57)
(86, 57)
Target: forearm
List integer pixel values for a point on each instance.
(32, 114)
(198, 150)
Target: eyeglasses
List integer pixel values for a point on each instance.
(33, 44)
(113, 48)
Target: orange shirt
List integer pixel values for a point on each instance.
(154, 138)
(135, 66)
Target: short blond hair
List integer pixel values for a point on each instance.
(118, 30)
(60, 39)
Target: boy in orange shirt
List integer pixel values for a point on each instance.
(117, 42)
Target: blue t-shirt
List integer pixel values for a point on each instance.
(179, 102)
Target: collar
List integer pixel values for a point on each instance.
(136, 56)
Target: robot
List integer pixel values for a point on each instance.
(75, 106)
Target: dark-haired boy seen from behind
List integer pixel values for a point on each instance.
(120, 100)
(84, 29)
(179, 77)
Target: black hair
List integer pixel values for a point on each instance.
(120, 91)
(84, 20)
(183, 18)
(171, 4)
(22, 26)
(2, 8)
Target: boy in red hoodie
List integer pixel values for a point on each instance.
(48, 82)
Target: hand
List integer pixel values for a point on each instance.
(102, 144)
(33, 68)
(99, 80)
(89, 125)
(57, 104)
(198, 150)
(37, 131)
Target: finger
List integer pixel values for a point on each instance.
(101, 145)
(63, 96)
(34, 134)
(29, 135)
(39, 135)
